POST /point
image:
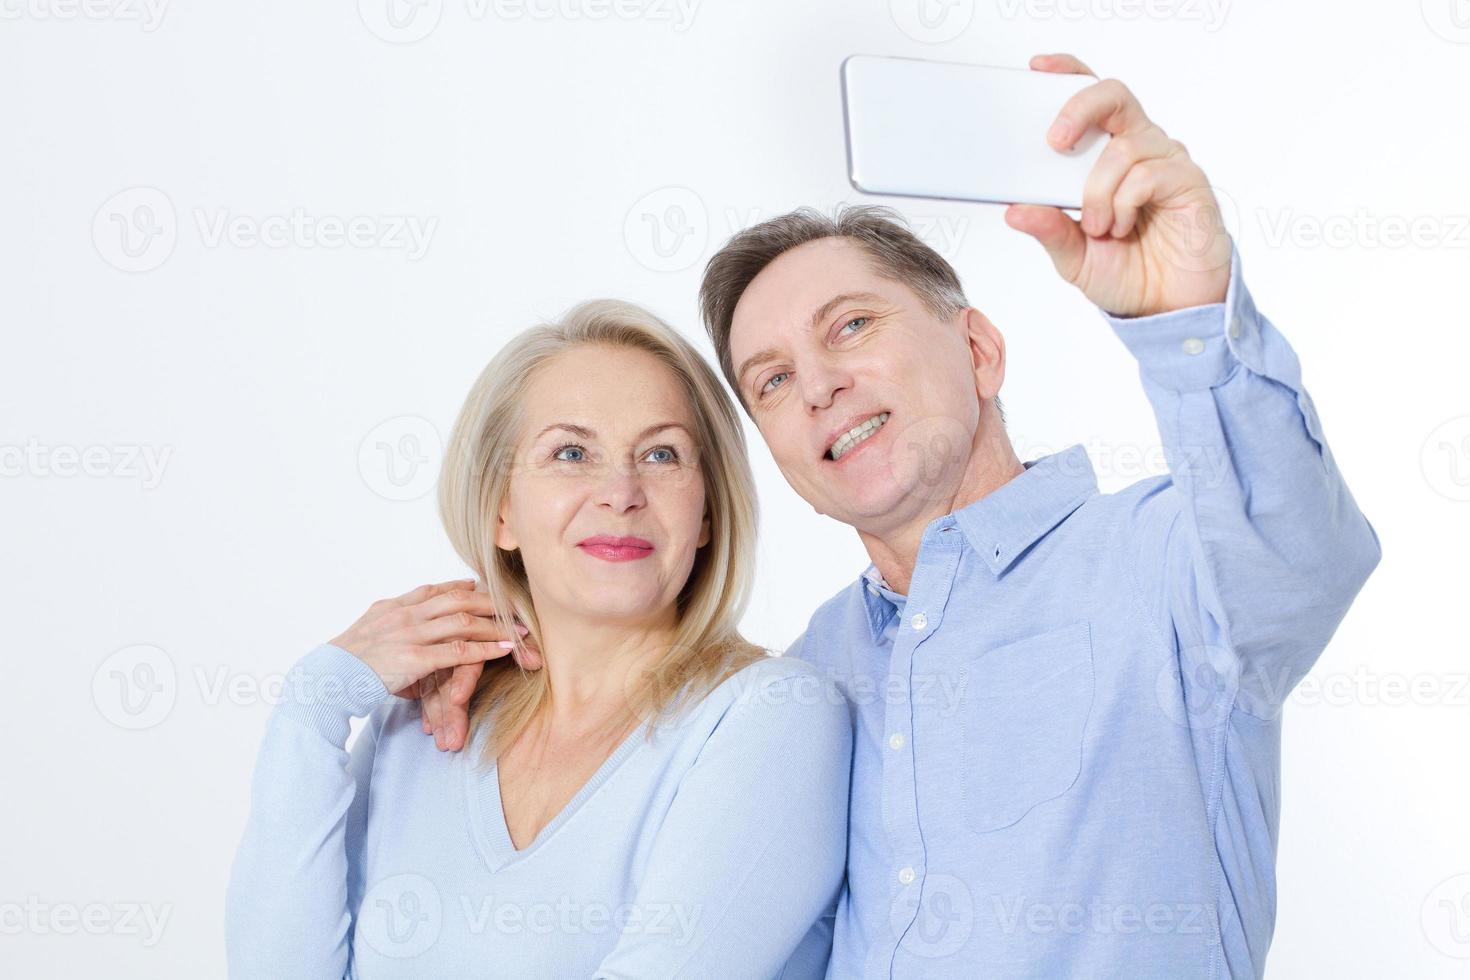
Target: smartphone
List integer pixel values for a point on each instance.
(918, 128)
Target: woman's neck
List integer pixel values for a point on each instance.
(593, 666)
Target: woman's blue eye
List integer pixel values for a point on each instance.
(855, 319)
(673, 455)
(573, 448)
(767, 386)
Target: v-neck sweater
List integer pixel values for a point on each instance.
(713, 848)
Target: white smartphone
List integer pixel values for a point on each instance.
(918, 128)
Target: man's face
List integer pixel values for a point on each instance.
(868, 402)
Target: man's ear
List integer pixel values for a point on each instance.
(987, 352)
(505, 538)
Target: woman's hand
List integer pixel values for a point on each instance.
(433, 636)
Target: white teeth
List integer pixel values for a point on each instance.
(856, 435)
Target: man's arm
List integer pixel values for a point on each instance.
(1258, 548)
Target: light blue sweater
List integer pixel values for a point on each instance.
(714, 850)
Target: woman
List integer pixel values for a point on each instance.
(658, 799)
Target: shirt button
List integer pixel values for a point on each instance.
(1193, 346)
(895, 741)
(1235, 328)
(919, 621)
(906, 876)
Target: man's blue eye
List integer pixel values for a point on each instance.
(855, 319)
(767, 386)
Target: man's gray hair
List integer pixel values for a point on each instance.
(897, 253)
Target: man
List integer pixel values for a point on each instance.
(1066, 705)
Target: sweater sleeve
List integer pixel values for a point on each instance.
(750, 856)
(288, 912)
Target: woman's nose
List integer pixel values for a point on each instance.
(621, 489)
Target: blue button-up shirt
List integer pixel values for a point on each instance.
(1067, 734)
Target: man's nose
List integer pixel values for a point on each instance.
(820, 383)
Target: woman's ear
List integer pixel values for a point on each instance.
(704, 529)
(505, 538)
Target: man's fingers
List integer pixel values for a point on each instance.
(414, 596)
(1117, 158)
(1108, 105)
(447, 656)
(1065, 64)
(1062, 237)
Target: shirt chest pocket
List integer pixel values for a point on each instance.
(1023, 711)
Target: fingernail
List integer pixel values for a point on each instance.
(506, 644)
(521, 629)
(1058, 132)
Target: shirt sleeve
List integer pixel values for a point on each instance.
(1255, 548)
(288, 911)
(750, 856)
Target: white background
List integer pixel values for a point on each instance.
(540, 147)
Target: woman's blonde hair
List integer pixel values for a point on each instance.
(478, 463)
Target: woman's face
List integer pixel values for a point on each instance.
(606, 502)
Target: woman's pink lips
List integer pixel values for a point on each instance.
(610, 548)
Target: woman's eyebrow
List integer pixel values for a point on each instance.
(582, 432)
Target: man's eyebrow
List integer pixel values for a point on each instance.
(836, 301)
(770, 353)
(582, 432)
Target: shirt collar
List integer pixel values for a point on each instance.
(1004, 523)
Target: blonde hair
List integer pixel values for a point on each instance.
(475, 478)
